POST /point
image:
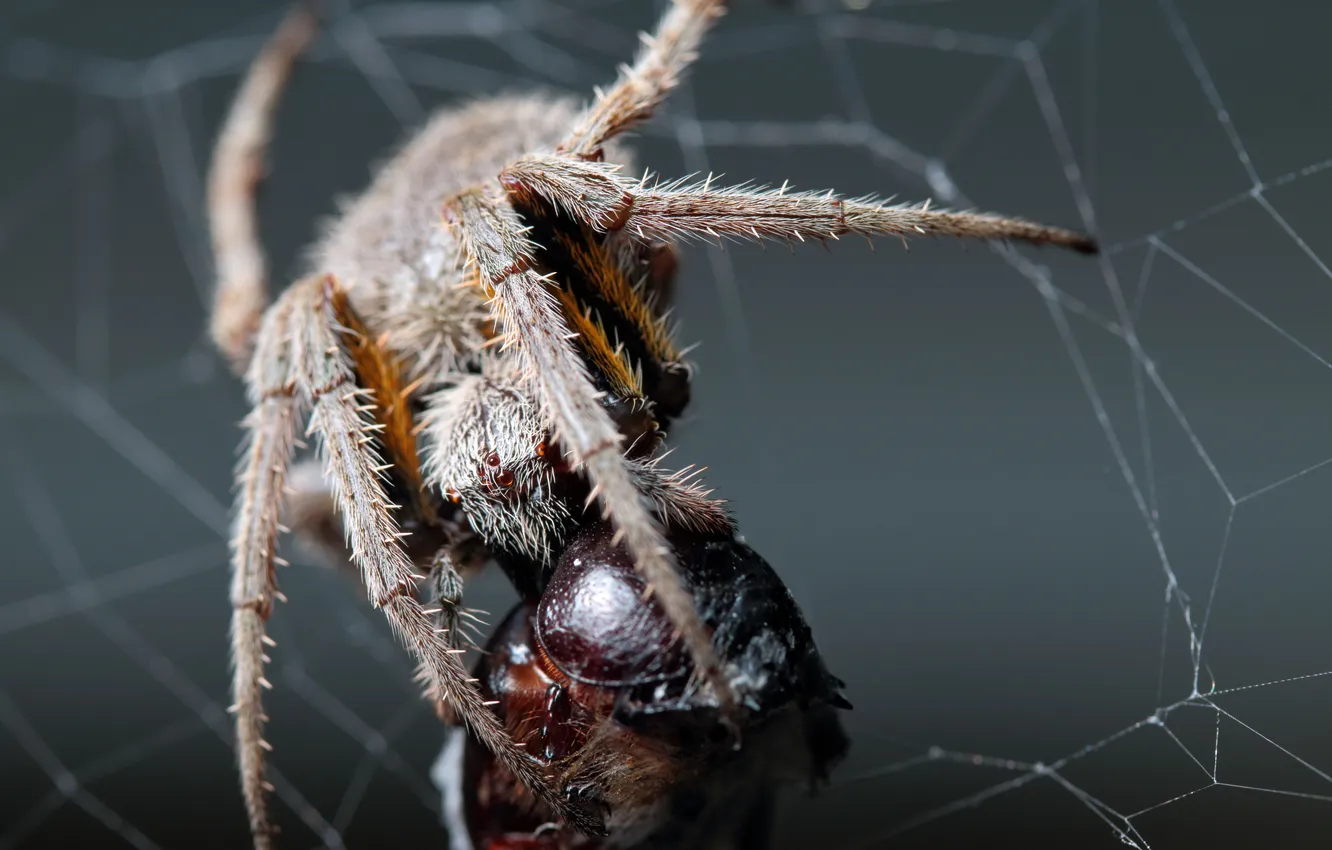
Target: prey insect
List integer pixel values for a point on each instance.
(480, 354)
(588, 676)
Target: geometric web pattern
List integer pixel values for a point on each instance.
(1195, 357)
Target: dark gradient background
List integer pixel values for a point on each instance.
(908, 437)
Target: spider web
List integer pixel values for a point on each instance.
(1061, 523)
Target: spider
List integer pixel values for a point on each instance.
(481, 354)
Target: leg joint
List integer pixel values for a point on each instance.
(261, 604)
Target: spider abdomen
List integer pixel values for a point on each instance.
(389, 249)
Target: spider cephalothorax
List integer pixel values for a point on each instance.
(489, 451)
(497, 290)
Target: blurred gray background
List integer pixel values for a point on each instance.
(1018, 496)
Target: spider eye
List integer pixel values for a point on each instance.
(504, 478)
(492, 459)
(541, 449)
(453, 495)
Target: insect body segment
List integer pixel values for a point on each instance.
(591, 677)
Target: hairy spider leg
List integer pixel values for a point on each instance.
(301, 366)
(235, 173)
(596, 193)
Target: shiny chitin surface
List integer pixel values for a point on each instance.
(590, 677)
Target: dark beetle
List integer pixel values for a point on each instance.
(591, 679)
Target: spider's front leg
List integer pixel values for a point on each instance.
(597, 194)
(302, 363)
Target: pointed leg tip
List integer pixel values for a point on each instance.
(1086, 245)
